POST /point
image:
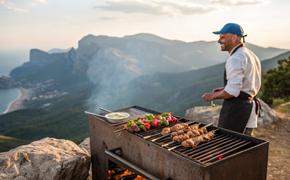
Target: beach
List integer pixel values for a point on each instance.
(18, 102)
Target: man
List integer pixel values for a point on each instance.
(242, 81)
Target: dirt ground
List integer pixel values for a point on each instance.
(278, 134)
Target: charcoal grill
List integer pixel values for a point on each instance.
(228, 156)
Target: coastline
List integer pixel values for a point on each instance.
(18, 102)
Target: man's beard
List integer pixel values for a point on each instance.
(223, 47)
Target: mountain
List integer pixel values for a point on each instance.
(142, 69)
(43, 66)
(273, 62)
(57, 50)
(156, 54)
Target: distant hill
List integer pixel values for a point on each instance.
(156, 54)
(273, 62)
(57, 50)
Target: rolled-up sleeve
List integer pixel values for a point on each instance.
(235, 69)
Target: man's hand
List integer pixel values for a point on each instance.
(222, 94)
(207, 96)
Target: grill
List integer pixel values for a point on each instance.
(229, 155)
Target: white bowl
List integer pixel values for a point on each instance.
(117, 117)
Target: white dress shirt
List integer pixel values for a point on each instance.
(243, 69)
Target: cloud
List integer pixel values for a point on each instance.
(40, 1)
(2, 1)
(238, 2)
(106, 18)
(171, 7)
(20, 6)
(16, 9)
(155, 7)
(188, 8)
(132, 7)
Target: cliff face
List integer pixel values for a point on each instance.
(45, 159)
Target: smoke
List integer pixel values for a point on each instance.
(111, 71)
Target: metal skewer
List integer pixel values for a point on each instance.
(87, 112)
(106, 110)
(119, 130)
(172, 142)
(156, 139)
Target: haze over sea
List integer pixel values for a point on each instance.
(8, 61)
(6, 97)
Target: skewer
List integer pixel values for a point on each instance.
(103, 109)
(174, 147)
(156, 139)
(209, 124)
(94, 114)
(152, 135)
(119, 130)
(172, 142)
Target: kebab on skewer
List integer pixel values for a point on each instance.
(189, 134)
(175, 128)
(193, 142)
(193, 128)
(150, 121)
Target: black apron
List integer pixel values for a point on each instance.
(236, 111)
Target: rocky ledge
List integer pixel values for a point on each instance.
(210, 114)
(45, 159)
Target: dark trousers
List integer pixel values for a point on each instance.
(235, 113)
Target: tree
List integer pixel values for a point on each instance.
(276, 82)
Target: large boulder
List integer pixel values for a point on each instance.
(204, 114)
(210, 114)
(268, 115)
(85, 144)
(46, 159)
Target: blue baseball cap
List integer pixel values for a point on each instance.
(232, 28)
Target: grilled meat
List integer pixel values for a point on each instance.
(193, 142)
(174, 128)
(189, 134)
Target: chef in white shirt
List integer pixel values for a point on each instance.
(242, 81)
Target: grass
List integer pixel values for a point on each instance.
(283, 107)
(8, 142)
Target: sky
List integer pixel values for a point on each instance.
(47, 24)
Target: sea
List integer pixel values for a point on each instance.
(8, 61)
(7, 96)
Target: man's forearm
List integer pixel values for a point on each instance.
(221, 95)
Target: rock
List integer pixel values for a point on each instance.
(204, 114)
(208, 114)
(85, 144)
(268, 115)
(45, 159)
